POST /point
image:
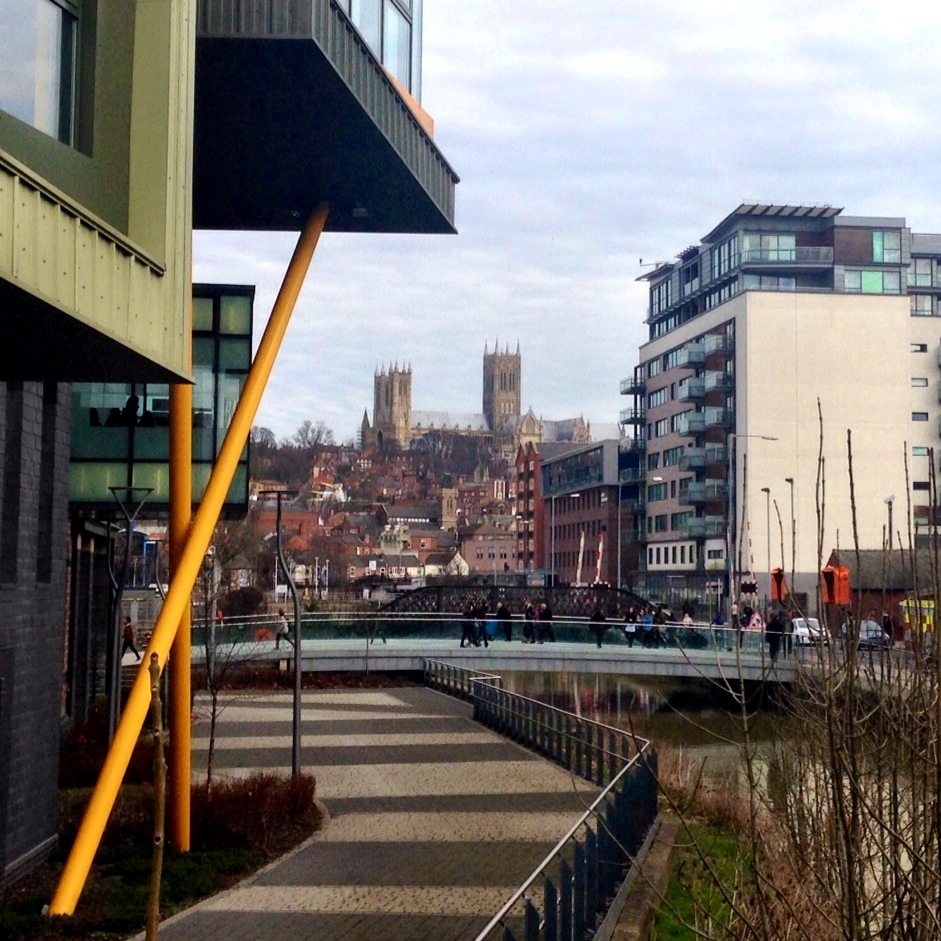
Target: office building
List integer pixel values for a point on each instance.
(788, 339)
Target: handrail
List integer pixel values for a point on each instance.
(623, 812)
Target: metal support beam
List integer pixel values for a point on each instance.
(96, 816)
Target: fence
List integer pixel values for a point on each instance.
(570, 892)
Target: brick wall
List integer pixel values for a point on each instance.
(34, 430)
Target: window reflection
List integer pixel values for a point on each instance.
(37, 64)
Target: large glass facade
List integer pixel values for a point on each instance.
(37, 64)
(120, 431)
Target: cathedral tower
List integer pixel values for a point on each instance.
(392, 406)
(502, 375)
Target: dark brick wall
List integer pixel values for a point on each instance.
(32, 616)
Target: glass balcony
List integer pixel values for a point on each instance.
(693, 390)
(719, 417)
(636, 445)
(635, 415)
(633, 475)
(706, 527)
(693, 423)
(719, 382)
(692, 355)
(693, 459)
(718, 345)
(703, 492)
(802, 255)
(633, 385)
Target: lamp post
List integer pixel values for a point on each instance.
(730, 533)
(620, 534)
(767, 492)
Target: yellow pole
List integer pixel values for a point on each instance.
(96, 816)
(181, 511)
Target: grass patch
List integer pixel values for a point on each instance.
(243, 825)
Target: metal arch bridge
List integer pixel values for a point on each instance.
(565, 602)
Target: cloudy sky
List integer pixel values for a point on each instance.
(589, 136)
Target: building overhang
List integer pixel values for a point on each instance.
(296, 111)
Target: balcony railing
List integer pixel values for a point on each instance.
(699, 492)
(706, 527)
(718, 344)
(692, 390)
(802, 255)
(719, 417)
(692, 355)
(635, 415)
(635, 445)
(633, 475)
(693, 423)
(719, 382)
(633, 386)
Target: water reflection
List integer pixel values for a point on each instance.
(670, 710)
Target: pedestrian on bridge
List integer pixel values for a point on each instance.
(544, 629)
(506, 621)
(598, 624)
(468, 630)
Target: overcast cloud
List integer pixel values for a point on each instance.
(588, 136)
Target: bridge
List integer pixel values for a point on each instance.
(385, 642)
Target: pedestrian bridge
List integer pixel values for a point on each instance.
(359, 642)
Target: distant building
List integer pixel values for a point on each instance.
(499, 426)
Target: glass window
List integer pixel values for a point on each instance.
(656, 492)
(919, 451)
(367, 15)
(919, 347)
(919, 272)
(653, 460)
(921, 305)
(887, 247)
(919, 416)
(396, 43)
(37, 64)
(872, 282)
(919, 382)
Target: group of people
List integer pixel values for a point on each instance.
(778, 628)
(537, 624)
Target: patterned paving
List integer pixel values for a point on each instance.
(433, 821)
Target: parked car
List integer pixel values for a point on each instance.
(808, 632)
(871, 636)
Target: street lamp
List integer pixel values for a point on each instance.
(730, 534)
(767, 492)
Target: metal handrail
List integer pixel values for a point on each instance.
(599, 864)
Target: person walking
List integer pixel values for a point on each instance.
(506, 621)
(597, 624)
(129, 639)
(544, 629)
(774, 632)
(468, 631)
(529, 622)
(283, 629)
(630, 626)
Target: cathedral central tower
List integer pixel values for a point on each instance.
(502, 383)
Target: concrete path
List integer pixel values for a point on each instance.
(434, 821)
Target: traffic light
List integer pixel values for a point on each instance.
(828, 583)
(778, 588)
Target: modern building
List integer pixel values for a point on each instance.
(123, 126)
(579, 492)
(786, 393)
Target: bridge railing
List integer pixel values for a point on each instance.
(570, 892)
(379, 626)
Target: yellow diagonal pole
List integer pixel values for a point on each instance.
(96, 816)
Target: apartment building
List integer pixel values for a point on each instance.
(792, 353)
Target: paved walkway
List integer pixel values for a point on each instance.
(434, 821)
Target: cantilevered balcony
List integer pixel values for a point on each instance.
(719, 417)
(802, 256)
(635, 445)
(706, 527)
(632, 475)
(633, 385)
(703, 492)
(716, 344)
(692, 423)
(693, 355)
(693, 390)
(636, 415)
(719, 382)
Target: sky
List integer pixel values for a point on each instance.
(588, 137)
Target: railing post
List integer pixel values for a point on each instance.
(550, 910)
(591, 877)
(531, 928)
(565, 901)
(578, 912)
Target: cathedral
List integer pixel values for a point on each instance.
(500, 424)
